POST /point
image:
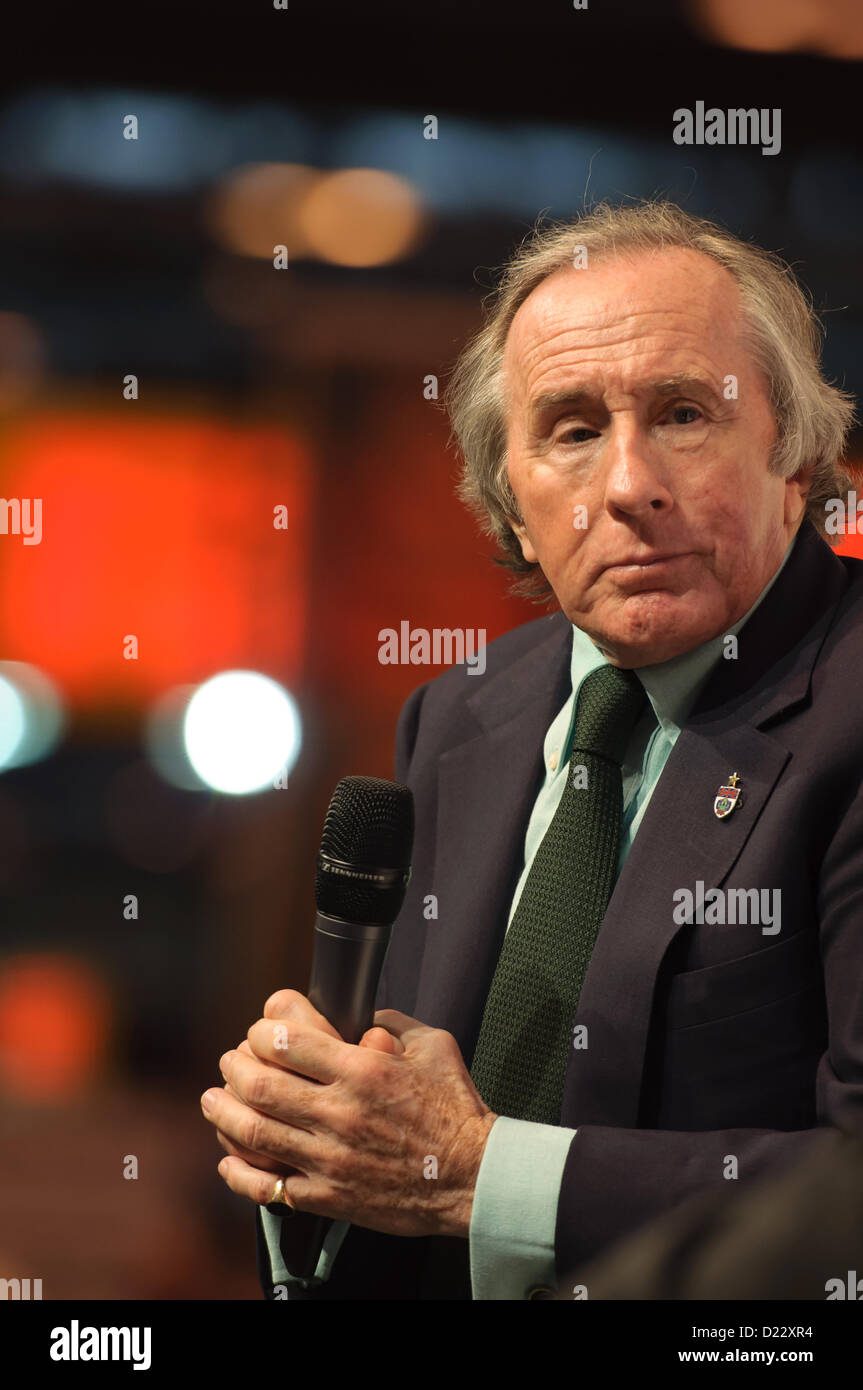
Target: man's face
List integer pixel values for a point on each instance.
(616, 383)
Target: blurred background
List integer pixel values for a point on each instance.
(244, 475)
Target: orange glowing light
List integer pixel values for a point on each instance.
(55, 1022)
(254, 209)
(361, 217)
(834, 27)
(159, 528)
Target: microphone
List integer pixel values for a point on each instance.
(363, 869)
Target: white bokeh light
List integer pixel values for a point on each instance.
(31, 715)
(11, 722)
(241, 730)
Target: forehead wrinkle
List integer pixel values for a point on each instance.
(543, 351)
(613, 335)
(664, 386)
(533, 349)
(552, 369)
(543, 340)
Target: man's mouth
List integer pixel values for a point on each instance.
(647, 561)
(650, 569)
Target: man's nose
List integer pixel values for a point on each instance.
(636, 481)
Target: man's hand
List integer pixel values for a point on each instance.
(388, 1134)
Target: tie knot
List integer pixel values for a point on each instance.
(609, 703)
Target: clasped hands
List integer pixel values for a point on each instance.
(388, 1133)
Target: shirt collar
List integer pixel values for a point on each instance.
(672, 686)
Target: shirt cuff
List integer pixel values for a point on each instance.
(514, 1212)
(272, 1226)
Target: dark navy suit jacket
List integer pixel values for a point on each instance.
(705, 1042)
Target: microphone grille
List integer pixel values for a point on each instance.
(364, 860)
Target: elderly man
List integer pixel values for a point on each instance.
(643, 824)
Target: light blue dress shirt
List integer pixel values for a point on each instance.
(515, 1203)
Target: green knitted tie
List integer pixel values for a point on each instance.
(521, 1053)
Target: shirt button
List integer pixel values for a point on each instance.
(552, 762)
(540, 1291)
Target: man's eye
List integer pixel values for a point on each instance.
(691, 411)
(579, 434)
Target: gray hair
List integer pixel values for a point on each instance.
(812, 415)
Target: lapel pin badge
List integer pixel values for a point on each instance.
(728, 797)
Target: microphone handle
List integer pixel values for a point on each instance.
(346, 968)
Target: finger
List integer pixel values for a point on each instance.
(401, 1026)
(241, 1047)
(271, 1089)
(256, 1133)
(381, 1041)
(247, 1181)
(247, 1052)
(268, 1165)
(300, 1047)
(246, 1153)
(291, 1006)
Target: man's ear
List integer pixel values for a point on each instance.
(803, 479)
(527, 549)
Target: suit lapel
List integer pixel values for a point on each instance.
(681, 841)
